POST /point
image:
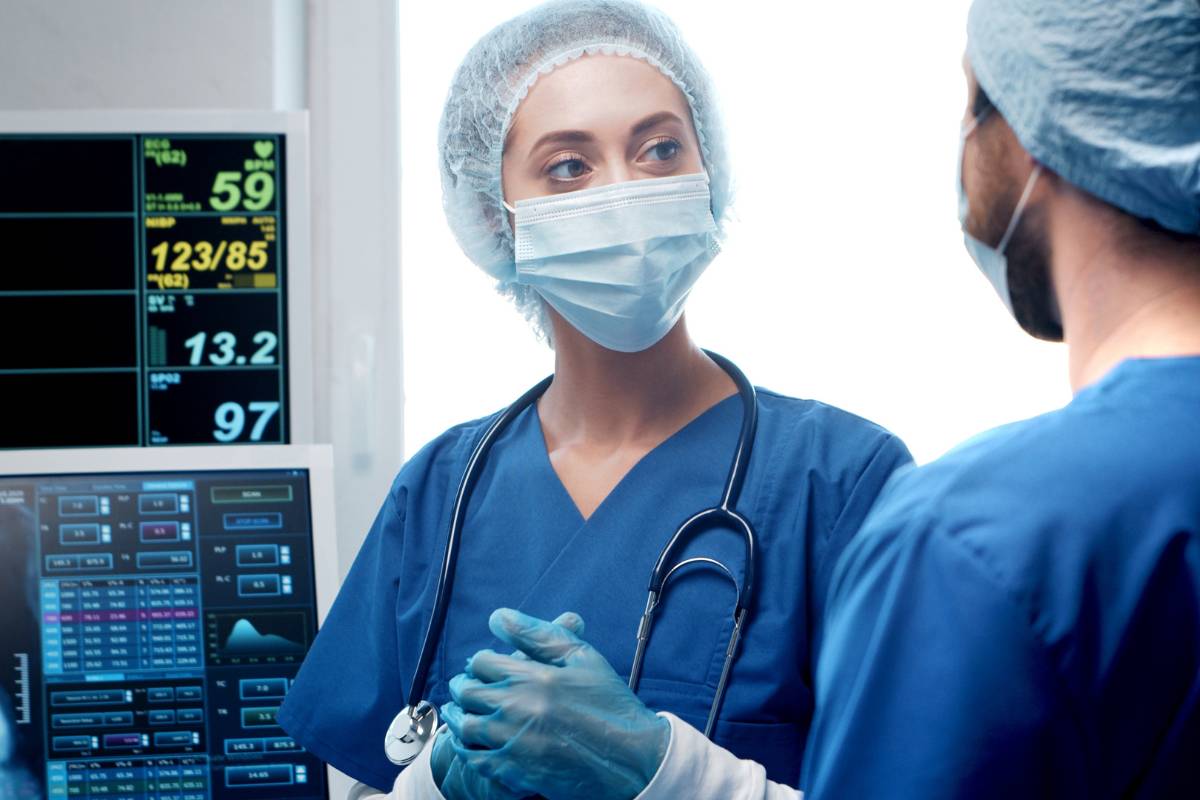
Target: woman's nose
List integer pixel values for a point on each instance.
(616, 171)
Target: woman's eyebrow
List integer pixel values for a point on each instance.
(563, 137)
(652, 120)
(586, 137)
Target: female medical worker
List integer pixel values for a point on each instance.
(598, 104)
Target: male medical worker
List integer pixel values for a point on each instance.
(1022, 617)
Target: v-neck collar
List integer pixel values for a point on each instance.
(521, 494)
(614, 494)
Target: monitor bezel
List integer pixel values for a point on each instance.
(293, 125)
(316, 459)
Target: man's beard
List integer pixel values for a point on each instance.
(1030, 285)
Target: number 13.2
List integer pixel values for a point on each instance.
(226, 342)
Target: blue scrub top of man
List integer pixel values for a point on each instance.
(1031, 599)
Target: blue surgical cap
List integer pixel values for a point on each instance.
(496, 76)
(1106, 93)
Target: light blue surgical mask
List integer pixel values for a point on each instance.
(992, 261)
(618, 261)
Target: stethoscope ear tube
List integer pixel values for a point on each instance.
(745, 443)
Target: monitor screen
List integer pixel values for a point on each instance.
(151, 624)
(143, 289)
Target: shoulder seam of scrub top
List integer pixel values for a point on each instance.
(463, 438)
(885, 440)
(463, 435)
(814, 405)
(825, 572)
(923, 524)
(1092, 399)
(827, 536)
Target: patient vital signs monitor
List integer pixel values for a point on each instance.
(155, 605)
(147, 266)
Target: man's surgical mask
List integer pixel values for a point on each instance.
(618, 261)
(992, 261)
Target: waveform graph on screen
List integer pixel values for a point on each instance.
(259, 637)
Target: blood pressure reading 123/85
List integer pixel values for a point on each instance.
(143, 289)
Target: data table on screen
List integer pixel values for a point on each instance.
(143, 289)
(152, 625)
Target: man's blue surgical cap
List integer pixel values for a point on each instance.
(496, 76)
(1104, 92)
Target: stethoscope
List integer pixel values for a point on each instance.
(416, 723)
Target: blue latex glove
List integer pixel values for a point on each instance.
(560, 723)
(461, 781)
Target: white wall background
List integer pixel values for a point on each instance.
(75, 54)
(844, 277)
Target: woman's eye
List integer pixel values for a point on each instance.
(663, 151)
(568, 169)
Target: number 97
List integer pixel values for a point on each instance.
(230, 420)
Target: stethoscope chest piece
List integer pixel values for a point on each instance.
(409, 732)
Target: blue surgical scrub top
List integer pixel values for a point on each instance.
(815, 473)
(1022, 617)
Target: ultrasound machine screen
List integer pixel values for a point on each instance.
(151, 624)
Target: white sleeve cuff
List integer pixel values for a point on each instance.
(415, 782)
(695, 767)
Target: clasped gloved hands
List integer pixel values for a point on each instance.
(554, 719)
(458, 780)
